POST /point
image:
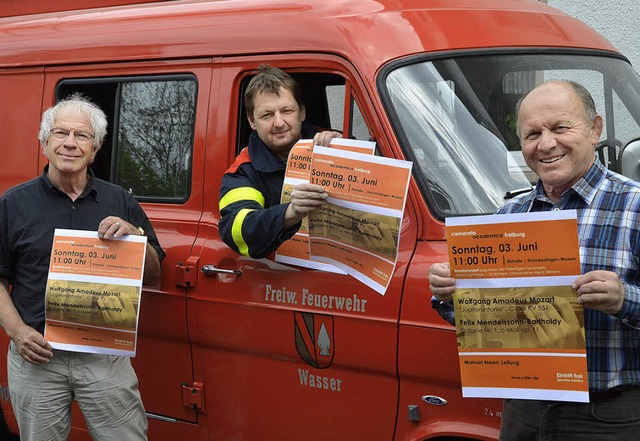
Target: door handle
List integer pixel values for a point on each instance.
(211, 270)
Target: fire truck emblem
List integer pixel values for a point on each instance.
(314, 338)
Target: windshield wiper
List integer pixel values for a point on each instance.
(513, 193)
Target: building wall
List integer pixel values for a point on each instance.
(615, 20)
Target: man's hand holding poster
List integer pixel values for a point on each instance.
(357, 231)
(93, 292)
(520, 329)
(295, 251)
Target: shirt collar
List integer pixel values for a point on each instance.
(89, 189)
(585, 188)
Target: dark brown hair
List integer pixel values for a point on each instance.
(270, 80)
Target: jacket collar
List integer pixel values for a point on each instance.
(263, 159)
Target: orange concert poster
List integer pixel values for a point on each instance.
(520, 329)
(358, 230)
(295, 251)
(93, 292)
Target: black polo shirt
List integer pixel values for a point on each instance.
(29, 214)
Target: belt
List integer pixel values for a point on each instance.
(612, 393)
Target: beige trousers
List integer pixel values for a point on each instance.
(105, 387)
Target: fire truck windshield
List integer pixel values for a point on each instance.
(455, 118)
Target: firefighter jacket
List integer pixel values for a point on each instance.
(252, 217)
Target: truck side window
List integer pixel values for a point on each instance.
(336, 102)
(148, 148)
(326, 104)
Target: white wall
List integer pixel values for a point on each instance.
(616, 20)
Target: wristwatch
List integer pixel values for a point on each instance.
(141, 231)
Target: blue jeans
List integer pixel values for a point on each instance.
(613, 418)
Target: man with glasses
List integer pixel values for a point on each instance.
(43, 381)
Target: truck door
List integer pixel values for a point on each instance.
(290, 353)
(157, 118)
(20, 111)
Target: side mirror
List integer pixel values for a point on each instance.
(630, 160)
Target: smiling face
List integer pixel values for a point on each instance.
(278, 120)
(558, 143)
(68, 157)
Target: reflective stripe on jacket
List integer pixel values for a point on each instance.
(252, 217)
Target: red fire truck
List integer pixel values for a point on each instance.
(228, 345)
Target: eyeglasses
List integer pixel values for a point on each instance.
(81, 137)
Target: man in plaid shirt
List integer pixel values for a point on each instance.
(558, 129)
